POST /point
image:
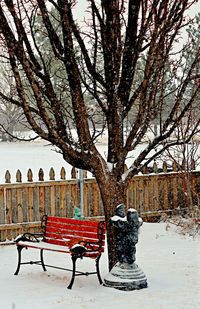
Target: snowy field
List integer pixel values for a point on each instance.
(169, 260)
(36, 155)
(40, 154)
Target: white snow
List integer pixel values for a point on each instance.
(170, 262)
(117, 218)
(132, 210)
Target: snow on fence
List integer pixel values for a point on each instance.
(22, 204)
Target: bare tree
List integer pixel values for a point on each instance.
(11, 116)
(124, 59)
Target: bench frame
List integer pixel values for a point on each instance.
(94, 249)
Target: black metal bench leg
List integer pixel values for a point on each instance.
(74, 258)
(19, 249)
(97, 268)
(42, 259)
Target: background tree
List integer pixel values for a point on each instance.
(124, 60)
(11, 116)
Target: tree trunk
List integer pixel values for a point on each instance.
(113, 193)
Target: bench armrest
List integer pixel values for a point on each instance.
(28, 237)
(92, 246)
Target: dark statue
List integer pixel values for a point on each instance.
(126, 229)
(126, 275)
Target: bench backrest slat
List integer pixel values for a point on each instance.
(73, 221)
(62, 233)
(72, 227)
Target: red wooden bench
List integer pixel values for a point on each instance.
(80, 238)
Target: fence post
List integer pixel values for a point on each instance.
(81, 184)
(18, 176)
(30, 175)
(7, 177)
(41, 175)
(51, 174)
(62, 173)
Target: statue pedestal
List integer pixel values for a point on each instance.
(126, 277)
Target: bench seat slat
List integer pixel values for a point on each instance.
(44, 245)
(70, 239)
(54, 247)
(63, 242)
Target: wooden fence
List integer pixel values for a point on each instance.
(23, 203)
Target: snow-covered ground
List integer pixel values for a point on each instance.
(170, 261)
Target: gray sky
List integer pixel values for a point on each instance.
(82, 5)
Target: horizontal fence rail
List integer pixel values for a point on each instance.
(22, 204)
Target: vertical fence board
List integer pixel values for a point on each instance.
(150, 187)
(85, 209)
(8, 207)
(14, 205)
(25, 204)
(165, 194)
(137, 201)
(175, 191)
(127, 197)
(130, 196)
(41, 201)
(68, 211)
(91, 200)
(170, 193)
(75, 201)
(193, 190)
(134, 194)
(2, 206)
(47, 201)
(184, 188)
(155, 193)
(30, 204)
(141, 195)
(88, 203)
(52, 200)
(62, 201)
(95, 199)
(132, 185)
(57, 200)
(161, 192)
(36, 205)
(181, 196)
(146, 195)
(197, 191)
(20, 216)
(72, 198)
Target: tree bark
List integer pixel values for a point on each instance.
(113, 193)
